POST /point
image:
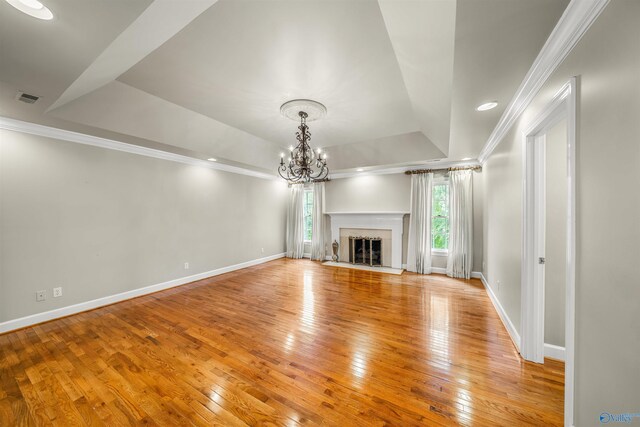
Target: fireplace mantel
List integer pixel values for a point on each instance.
(372, 220)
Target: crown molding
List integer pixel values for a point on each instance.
(403, 169)
(574, 22)
(110, 144)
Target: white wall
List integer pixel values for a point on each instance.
(607, 61)
(99, 222)
(392, 193)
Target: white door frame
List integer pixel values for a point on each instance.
(562, 106)
(534, 222)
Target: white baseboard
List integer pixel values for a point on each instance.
(515, 337)
(554, 351)
(33, 319)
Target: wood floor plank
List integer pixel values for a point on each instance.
(289, 342)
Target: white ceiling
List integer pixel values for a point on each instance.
(47, 56)
(494, 48)
(423, 38)
(400, 78)
(240, 60)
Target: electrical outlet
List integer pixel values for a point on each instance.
(262, 249)
(41, 295)
(498, 285)
(57, 292)
(186, 265)
(483, 265)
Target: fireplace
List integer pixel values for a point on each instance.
(386, 226)
(365, 250)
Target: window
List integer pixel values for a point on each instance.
(308, 214)
(440, 217)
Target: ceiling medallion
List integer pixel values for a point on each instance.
(304, 165)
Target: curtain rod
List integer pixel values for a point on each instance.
(310, 182)
(463, 168)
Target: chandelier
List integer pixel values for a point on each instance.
(304, 165)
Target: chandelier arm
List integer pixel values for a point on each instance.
(297, 173)
(322, 173)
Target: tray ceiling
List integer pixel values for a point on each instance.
(400, 78)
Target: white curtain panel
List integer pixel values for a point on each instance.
(317, 230)
(419, 250)
(460, 259)
(295, 222)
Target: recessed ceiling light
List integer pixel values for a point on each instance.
(32, 8)
(487, 106)
(359, 170)
(33, 4)
(467, 158)
(211, 159)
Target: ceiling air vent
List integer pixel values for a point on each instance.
(25, 97)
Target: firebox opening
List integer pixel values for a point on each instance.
(365, 250)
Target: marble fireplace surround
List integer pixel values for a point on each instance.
(388, 221)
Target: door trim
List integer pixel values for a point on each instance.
(562, 106)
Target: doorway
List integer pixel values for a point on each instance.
(546, 220)
(555, 239)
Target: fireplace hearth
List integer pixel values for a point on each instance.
(365, 250)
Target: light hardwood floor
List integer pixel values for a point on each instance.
(284, 343)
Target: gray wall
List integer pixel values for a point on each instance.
(555, 234)
(98, 222)
(607, 60)
(478, 222)
(369, 193)
(392, 193)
